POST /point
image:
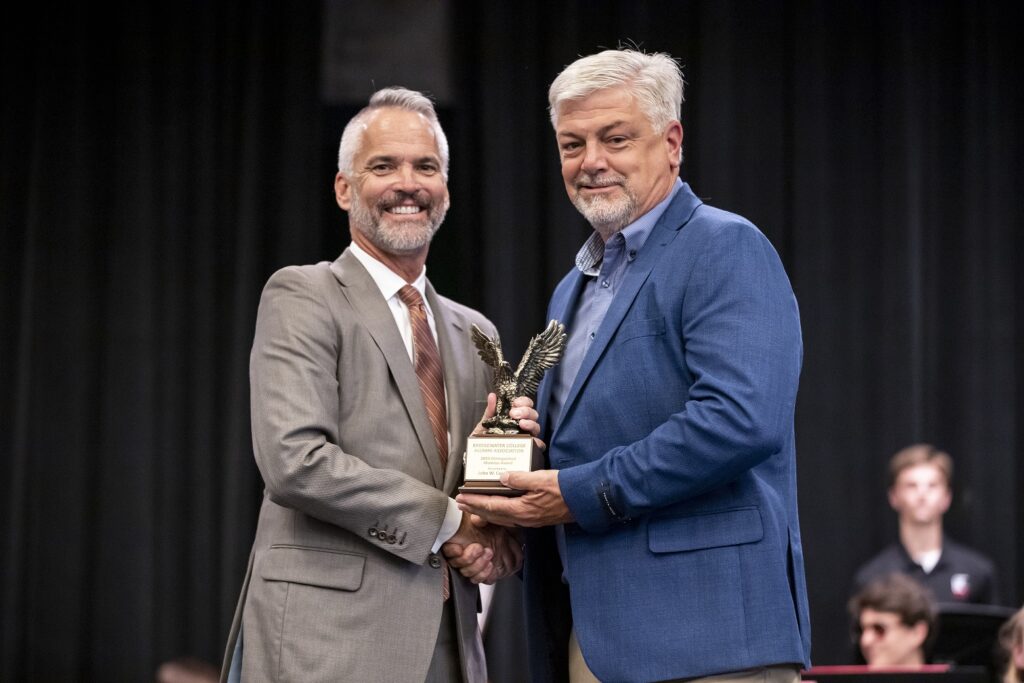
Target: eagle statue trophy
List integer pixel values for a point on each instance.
(542, 353)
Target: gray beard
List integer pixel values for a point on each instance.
(607, 216)
(407, 238)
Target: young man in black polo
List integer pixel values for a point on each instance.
(920, 491)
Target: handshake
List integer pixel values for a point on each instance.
(483, 552)
(487, 546)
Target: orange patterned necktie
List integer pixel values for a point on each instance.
(428, 369)
(431, 378)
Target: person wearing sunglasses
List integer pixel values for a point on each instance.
(893, 619)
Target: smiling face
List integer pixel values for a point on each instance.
(920, 494)
(615, 165)
(397, 195)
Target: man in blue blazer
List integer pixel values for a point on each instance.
(666, 543)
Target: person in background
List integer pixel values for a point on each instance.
(893, 621)
(1011, 647)
(186, 670)
(920, 491)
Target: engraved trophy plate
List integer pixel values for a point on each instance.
(503, 447)
(490, 455)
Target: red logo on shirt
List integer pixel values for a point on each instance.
(960, 585)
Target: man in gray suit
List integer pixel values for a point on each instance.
(347, 580)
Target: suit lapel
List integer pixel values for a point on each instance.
(665, 230)
(365, 298)
(561, 309)
(452, 343)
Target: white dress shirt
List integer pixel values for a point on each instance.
(389, 282)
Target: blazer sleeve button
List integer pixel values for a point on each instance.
(392, 539)
(372, 531)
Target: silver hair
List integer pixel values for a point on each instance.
(394, 98)
(654, 79)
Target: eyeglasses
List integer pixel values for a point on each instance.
(877, 628)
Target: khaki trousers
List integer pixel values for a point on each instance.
(579, 672)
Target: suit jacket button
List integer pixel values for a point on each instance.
(382, 535)
(435, 561)
(372, 531)
(392, 539)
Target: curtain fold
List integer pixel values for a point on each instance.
(156, 166)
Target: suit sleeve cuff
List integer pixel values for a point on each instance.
(452, 520)
(589, 498)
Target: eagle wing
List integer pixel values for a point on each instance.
(489, 349)
(490, 352)
(542, 353)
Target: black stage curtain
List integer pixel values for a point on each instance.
(154, 168)
(157, 163)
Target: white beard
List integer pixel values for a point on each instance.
(607, 215)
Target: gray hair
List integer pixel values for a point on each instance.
(654, 79)
(394, 98)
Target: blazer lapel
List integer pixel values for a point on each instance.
(665, 230)
(365, 298)
(452, 343)
(561, 309)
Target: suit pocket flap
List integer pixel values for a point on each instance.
(314, 567)
(711, 530)
(641, 328)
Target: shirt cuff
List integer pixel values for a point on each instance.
(452, 520)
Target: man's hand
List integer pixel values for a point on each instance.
(483, 553)
(541, 505)
(522, 410)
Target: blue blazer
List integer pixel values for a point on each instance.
(676, 458)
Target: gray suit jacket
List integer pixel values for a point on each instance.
(341, 584)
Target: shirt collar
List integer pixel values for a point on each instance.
(589, 257)
(387, 280)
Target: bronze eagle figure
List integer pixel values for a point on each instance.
(542, 353)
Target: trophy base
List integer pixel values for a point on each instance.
(490, 488)
(489, 455)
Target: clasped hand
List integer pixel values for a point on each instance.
(499, 554)
(484, 553)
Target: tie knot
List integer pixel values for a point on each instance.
(409, 296)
